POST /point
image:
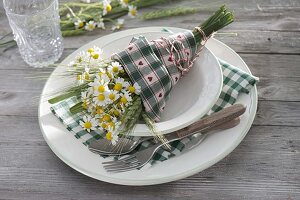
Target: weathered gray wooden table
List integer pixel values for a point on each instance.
(266, 165)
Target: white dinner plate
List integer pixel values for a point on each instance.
(72, 152)
(190, 99)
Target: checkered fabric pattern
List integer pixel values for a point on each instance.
(150, 65)
(235, 82)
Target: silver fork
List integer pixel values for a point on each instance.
(140, 158)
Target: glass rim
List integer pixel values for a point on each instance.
(30, 14)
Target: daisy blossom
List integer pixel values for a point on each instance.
(120, 83)
(99, 86)
(79, 24)
(125, 98)
(90, 26)
(135, 88)
(113, 96)
(115, 67)
(112, 136)
(132, 11)
(88, 123)
(106, 7)
(100, 99)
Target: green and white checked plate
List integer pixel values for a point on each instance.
(76, 155)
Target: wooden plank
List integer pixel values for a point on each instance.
(258, 30)
(273, 66)
(279, 113)
(281, 89)
(264, 167)
(262, 15)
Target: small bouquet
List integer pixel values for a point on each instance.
(135, 83)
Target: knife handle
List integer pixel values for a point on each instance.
(210, 122)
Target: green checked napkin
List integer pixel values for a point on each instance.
(235, 82)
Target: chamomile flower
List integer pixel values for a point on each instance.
(124, 3)
(88, 123)
(113, 123)
(125, 98)
(99, 86)
(115, 111)
(112, 136)
(90, 26)
(118, 25)
(79, 24)
(99, 110)
(135, 88)
(120, 83)
(100, 23)
(100, 99)
(132, 11)
(106, 7)
(115, 67)
(113, 95)
(95, 52)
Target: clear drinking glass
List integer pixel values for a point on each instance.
(35, 24)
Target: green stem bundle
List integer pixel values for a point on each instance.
(217, 21)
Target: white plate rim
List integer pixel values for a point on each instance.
(179, 176)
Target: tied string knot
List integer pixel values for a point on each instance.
(176, 49)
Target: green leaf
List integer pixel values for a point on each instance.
(64, 96)
(169, 12)
(76, 108)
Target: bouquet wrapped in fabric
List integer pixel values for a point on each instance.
(135, 83)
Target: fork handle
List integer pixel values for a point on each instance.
(208, 123)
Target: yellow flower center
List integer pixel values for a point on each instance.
(131, 89)
(106, 118)
(112, 125)
(99, 110)
(80, 24)
(85, 104)
(123, 100)
(118, 87)
(133, 12)
(112, 96)
(86, 76)
(108, 8)
(78, 77)
(87, 125)
(101, 88)
(104, 126)
(125, 1)
(95, 55)
(115, 69)
(101, 97)
(91, 26)
(108, 135)
(90, 50)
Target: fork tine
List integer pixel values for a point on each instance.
(117, 165)
(123, 169)
(119, 160)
